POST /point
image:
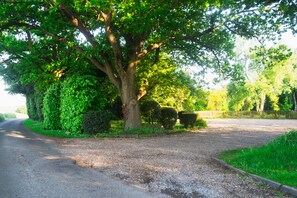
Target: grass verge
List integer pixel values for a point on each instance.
(37, 127)
(147, 130)
(276, 160)
(116, 130)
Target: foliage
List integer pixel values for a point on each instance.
(118, 36)
(239, 97)
(116, 108)
(9, 115)
(168, 117)
(201, 123)
(22, 109)
(52, 104)
(164, 78)
(265, 75)
(150, 110)
(96, 122)
(38, 127)
(79, 94)
(187, 119)
(35, 106)
(275, 160)
(217, 100)
(2, 118)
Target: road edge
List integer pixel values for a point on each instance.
(287, 189)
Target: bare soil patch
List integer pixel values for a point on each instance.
(181, 165)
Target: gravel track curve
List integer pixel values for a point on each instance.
(181, 165)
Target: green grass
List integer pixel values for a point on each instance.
(37, 127)
(116, 130)
(147, 130)
(277, 160)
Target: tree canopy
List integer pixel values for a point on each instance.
(116, 36)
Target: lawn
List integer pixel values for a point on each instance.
(115, 131)
(37, 127)
(276, 160)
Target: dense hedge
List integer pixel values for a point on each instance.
(168, 117)
(150, 111)
(35, 106)
(187, 119)
(96, 122)
(51, 109)
(1, 117)
(79, 94)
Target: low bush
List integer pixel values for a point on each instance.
(2, 118)
(168, 117)
(9, 115)
(96, 122)
(188, 119)
(150, 111)
(200, 123)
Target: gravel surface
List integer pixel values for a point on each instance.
(181, 165)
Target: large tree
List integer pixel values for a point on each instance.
(116, 35)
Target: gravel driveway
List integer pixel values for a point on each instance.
(181, 165)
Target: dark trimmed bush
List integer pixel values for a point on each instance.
(168, 117)
(188, 119)
(1, 117)
(150, 111)
(96, 122)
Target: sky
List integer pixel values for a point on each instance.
(8, 102)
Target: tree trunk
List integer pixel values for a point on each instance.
(130, 109)
(294, 95)
(262, 102)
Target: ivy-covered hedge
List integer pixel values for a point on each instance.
(150, 111)
(96, 122)
(168, 117)
(1, 117)
(79, 94)
(35, 106)
(51, 109)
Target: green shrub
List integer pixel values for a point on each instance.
(2, 118)
(9, 115)
(22, 110)
(188, 119)
(79, 94)
(51, 109)
(150, 110)
(35, 106)
(200, 123)
(168, 117)
(96, 122)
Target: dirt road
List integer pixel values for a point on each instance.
(181, 166)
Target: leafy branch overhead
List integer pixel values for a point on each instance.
(116, 36)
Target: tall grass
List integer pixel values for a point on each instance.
(277, 160)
